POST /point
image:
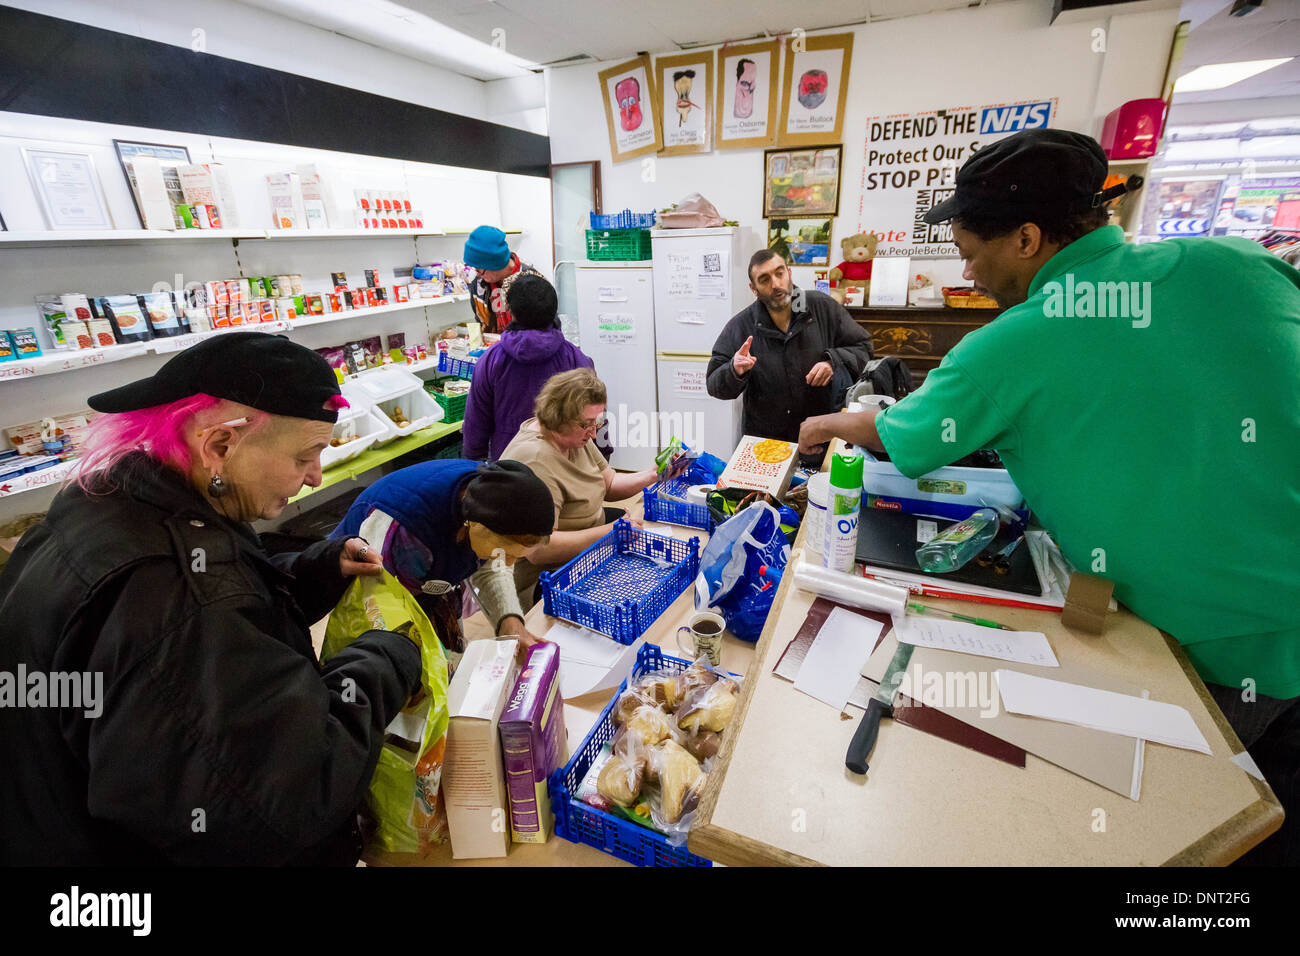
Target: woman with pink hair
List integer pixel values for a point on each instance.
(206, 732)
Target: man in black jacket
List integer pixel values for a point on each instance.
(788, 353)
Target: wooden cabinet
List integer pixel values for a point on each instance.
(920, 335)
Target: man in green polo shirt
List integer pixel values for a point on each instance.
(1146, 401)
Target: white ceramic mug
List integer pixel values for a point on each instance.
(706, 639)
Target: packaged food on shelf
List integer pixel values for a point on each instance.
(160, 314)
(7, 353)
(54, 315)
(124, 314)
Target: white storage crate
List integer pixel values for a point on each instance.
(959, 486)
(368, 425)
(388, 387)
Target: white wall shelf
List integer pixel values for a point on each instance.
(48, 237)
(36, 479)
(54, 363)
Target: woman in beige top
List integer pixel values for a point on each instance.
(558, 445)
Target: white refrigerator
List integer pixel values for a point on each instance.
(700, 282)
(616, 330)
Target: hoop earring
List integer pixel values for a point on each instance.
(216, 487)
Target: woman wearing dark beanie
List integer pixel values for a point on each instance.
(442, 522)
(510, 375)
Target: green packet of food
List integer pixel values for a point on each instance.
(668, 453)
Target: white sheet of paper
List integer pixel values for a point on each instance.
(589, 661)
(889, 279)
(611, 293)
(690, 318)
(1096, 709)
(1247, 763)
(838, 653)
(1019, 647)
(712, 287)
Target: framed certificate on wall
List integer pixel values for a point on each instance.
(67, 188)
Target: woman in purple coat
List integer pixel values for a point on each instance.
(512, 372)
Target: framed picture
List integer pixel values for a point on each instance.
(169, 157)
(747, 94)
(630, 111)
(67, 188)
(685, 85)
(814, 89)
(801, 242)
(801, 183)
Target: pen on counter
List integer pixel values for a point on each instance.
(953, 616)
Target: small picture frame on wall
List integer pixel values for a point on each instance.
(747, 94)
(814, 90)
(67, 188)
(631, 109)
(802, 183)
(685, 84)
(801, 242)
(169, 157)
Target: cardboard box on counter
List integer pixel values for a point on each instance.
(473, 783)
(761, 464)
(534, 743)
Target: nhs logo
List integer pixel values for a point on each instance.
(1012, 119)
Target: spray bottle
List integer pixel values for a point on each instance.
(840, 539)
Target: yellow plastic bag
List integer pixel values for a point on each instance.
(404, 796)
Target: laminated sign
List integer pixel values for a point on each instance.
(910, 163)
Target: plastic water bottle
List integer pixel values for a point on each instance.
(952, 547)
(840, 538)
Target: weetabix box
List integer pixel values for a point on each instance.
(761, 464)
(473, 784)
(533, 743)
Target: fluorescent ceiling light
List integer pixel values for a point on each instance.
(1215, 76)
(402, 30)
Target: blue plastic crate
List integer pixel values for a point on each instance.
(657, 507)
(623, 582)
(579, 822)
(453, 366)
(627, 219)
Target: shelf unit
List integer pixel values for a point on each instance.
(56, 362)
(26, 240)
(374, 457)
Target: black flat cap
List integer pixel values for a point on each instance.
(266, 372)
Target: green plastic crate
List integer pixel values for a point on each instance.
(618, 245)
(453, 406)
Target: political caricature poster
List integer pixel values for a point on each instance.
(631, 114)
(747, 94)
(685, 85)
(814, 89)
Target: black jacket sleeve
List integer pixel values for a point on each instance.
(722, 380)
(318, 580)
(220, 744)
(850, 344)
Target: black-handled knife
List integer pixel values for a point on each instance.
(880, 705)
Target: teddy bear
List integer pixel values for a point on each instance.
(855, 270)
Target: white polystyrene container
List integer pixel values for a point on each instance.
(961, 486)
(370, 427)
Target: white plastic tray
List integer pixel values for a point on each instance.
(964, 486)
(371, 426)
(419, 407)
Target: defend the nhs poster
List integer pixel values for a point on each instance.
(910, 163)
